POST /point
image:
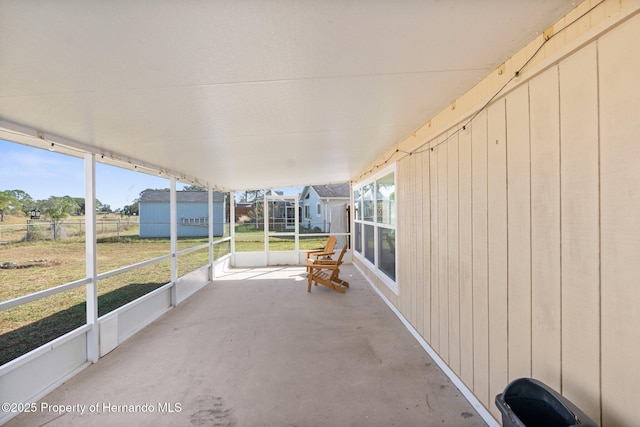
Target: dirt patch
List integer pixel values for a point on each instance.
(29, 264)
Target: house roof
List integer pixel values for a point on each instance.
(162, 196)
(243, 94)
(333, 190)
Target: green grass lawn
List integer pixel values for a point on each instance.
(53, 263)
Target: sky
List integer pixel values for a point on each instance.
(42, 173)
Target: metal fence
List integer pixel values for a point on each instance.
(34, 230)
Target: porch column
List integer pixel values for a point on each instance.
(296, 224)
(210, 200)
(93, 336)
(232, 223)
(173, 230)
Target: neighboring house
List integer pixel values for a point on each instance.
(243, 209)
(192, 213)
(281, 212)
(322, 205)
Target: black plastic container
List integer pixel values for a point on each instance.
(526, 402)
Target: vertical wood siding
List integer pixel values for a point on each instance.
(497, 249)
(519, 237)
(619, 97)
(519, 233)
(479, 256)
(580, 224)
(545, 227)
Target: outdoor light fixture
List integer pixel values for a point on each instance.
(52, 147)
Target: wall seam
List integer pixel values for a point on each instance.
(506, 178)
(560, 221)
(430, 248)
(601, 406)
(486, 187)
(448, 282)
(473, 329)
(459, 289)
(530, 237)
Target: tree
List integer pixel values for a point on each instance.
(251, 195)
(132, 209)
(81, 205)
(24, 202)
(58, 208)
(7, 200)
(194, 188)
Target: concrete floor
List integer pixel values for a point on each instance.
(255, 349)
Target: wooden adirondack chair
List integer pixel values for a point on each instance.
(323, 253)
(326, 252)
(326, 272)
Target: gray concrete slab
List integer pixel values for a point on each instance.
(255, 349)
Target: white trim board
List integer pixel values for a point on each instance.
(468, 394)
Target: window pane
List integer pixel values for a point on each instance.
(314, 225)
(116, 291)
(387, 252)
(358, 237)
(249, 243)
(281, 216)
(369, 244)
(308, 243)
(193, 260)
(250, 226)
(46, 235)
(282, 243)
(386, 199)
(357, 202)
(28, 326)
(367, 202)
(221, 249)
(250, 219)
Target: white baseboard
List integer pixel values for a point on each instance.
(468, 394)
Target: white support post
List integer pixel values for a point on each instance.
(265, 225)
(351, 220)
(232, 221)
(93, 337)
(210, 200)
(173, 218)
(296, 224)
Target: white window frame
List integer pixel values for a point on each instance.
(388, 281)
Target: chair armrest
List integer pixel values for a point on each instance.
(314, 251)
(320, 254)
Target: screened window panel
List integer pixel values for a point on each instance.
(387, 252)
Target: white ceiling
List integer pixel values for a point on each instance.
(251, 94)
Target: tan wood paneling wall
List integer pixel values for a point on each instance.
(619, 109)
(519, 237)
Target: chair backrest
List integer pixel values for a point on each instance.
(336, 272)
(330, 244)
(344, 250)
